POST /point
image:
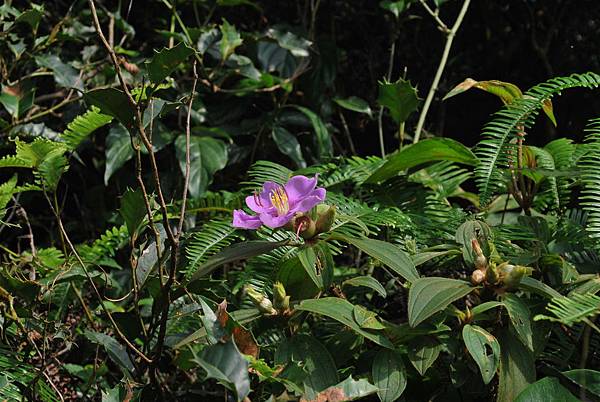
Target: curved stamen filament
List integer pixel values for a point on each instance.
(279, 199)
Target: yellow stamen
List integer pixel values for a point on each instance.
(279, 199)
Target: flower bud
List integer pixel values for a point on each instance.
(281, 301)
(260, 301)
(480, 260)
(325, 218)
(304, 226)
(511, 275)
(477, 277)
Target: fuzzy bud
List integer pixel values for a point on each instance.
(480, 260)
(260, 301)
(511, 275)
(281, 301)
(477, 277)
(325, 218)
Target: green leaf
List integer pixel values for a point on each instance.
(355, 104)
(389, 375)
(115, 350)
(342, 311)
(225, 363)
(547, 389)
(207, 156)
(429, 295)
(368, 282)
(586, 379)
(166, 61)
(425, 151)
(230, 40)
(6, 193)
(308, 259)
(297, 46)
(423, 352)
(236, 252)
(82, 126)
(533, 285)
(288, 145)
(17, 100)
(399, 97)
(64, 75)
(506, 91)
(112, 102)
(297, 283)
(520, 318)
(323, 138)
(467, 232)
(319, 371)
(476, 339)
(31, 17)
(389, 254)
(517, 368)
(483, 307)
(347, 390)
(133, 209)
(118, 150)
(395, 7)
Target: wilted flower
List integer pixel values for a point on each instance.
(276, 205)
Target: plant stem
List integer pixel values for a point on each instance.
(388, 76)
(438, 75)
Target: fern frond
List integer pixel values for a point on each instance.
(82, 126)
(573, 309)
(590, 164)
(545, 160)
(210, 239)
(563, 151)
(262, 171)
(497, 149)
(107, 245)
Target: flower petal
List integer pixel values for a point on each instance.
(299, 186)
(245, 221)
(275, 221)
(305, 204)
(252, 203)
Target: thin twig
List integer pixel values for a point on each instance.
(187, 152)
(435, 16)
(388, 77)
(91, 281)
(438, 75)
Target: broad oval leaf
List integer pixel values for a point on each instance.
(118, 150)
(427, 296)
(342, 311)
(389, 375)
(225, 363)
(288, 144)
(207, 156)
(517, 367)
(368, 282)
(476, 339)
(423, 352)
(320, 370)
(547, 389)
(112, 102)
(236, 252)
(520, 318)
(355, 104)
(324, 143)
(389, 254)
(425, 151)
(585, 378)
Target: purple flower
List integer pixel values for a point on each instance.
(276, 205)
